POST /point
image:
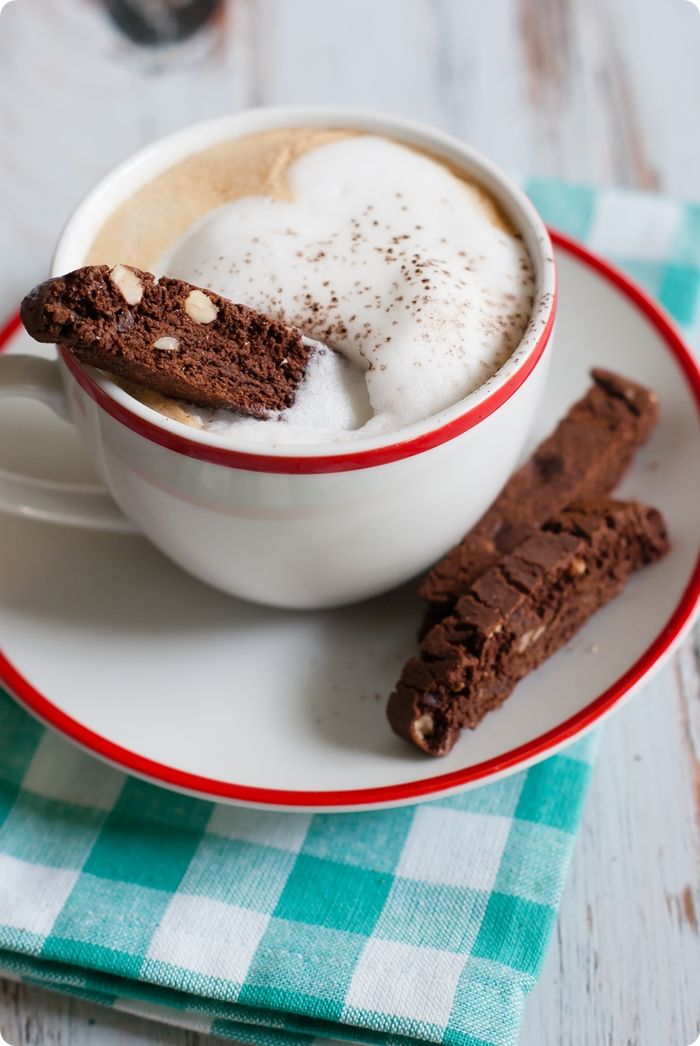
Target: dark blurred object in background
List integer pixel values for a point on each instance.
(156, 22)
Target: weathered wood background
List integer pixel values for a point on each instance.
(589, 90)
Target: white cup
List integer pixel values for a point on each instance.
(290, 526)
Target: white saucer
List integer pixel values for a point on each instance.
(121, 651)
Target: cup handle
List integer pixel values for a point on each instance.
(72, 504)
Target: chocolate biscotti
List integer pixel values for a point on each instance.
(586, 455)
(517, 613)
(175, 339)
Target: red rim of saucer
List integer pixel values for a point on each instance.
(523, 755)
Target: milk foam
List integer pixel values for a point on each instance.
(332, 404)
(387, 257)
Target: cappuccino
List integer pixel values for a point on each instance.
(407, 272)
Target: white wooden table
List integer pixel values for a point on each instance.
(590, 90)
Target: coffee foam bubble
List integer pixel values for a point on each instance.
(384, 255)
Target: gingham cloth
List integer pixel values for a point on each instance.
(427, 923)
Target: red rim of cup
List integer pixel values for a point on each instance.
(322, 463)
(499, 765)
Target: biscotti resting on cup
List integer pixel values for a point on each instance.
(172, 337)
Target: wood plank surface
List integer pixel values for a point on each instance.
(603, 91)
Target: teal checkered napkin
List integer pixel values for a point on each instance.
(426, 923)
